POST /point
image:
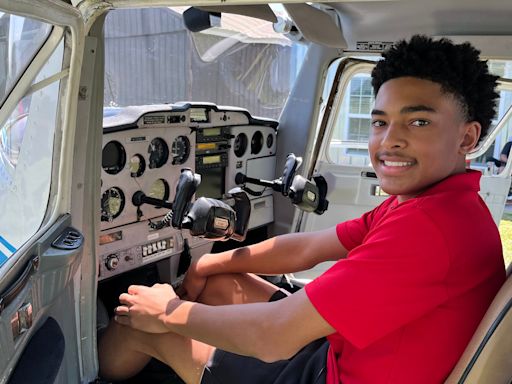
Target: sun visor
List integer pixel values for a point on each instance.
(259, 11)
(316, 25)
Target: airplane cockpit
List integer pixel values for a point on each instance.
(138, 136)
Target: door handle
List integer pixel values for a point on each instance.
(21, 320)
(10, 294)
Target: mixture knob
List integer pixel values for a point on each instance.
(112, 262)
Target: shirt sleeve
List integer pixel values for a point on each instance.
(351, 233)
(393, 278)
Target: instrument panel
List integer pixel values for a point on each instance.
(146, 147)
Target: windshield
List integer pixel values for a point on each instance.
(20, 39)
(151, 58)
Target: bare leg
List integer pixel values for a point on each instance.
(123, 351)
(236, 288)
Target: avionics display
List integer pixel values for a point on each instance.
(212, 183)
(211, 131)
(213, 134)
(215, 159)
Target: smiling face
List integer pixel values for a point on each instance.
(418, 136)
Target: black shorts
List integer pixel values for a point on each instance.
(308, 366)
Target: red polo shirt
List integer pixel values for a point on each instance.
(418, 279)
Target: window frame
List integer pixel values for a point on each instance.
(352, 70)
(23, 87)
(26, 65)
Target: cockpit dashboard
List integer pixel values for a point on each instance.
(146, 147)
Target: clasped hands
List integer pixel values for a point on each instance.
(145, 308)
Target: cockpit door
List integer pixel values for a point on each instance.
(40, 249)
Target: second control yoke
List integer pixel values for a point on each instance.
(209, 218)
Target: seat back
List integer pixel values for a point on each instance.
(488, 356)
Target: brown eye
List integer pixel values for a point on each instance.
(420, 123)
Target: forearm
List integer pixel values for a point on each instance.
(268, 331)
(281, 254)
(231, 328)
(250, 329)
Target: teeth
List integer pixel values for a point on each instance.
(397, 163)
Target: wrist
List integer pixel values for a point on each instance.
(167, 316)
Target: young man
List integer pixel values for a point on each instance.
(413, 278)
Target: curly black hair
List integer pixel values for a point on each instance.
(456, 67)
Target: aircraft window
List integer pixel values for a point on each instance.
(26, 158)
(502, 68)
(503, 136)
(239, 63)
(20, 39)
(350, 129)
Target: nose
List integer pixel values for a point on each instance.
(394, 136)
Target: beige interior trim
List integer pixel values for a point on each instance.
(494, 364)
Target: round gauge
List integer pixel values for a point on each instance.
(256, 142)
(113, 157)
(159, 190)
(180, 150)
(137, 165)
(270, 140)
(158, 153)
(112, 203)
(240, 144)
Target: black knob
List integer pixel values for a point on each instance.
(112, 262)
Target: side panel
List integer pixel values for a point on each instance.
(38, 283)
(45, 292)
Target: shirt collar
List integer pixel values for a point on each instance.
(469, 180)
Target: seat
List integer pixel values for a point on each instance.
(488, 356)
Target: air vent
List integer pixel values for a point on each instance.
(70, 239)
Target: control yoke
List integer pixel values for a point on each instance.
(303, 193)
(209, 218)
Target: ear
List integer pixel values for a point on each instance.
(470, 135)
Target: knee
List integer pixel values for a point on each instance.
(223, 282)
(220, 289)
